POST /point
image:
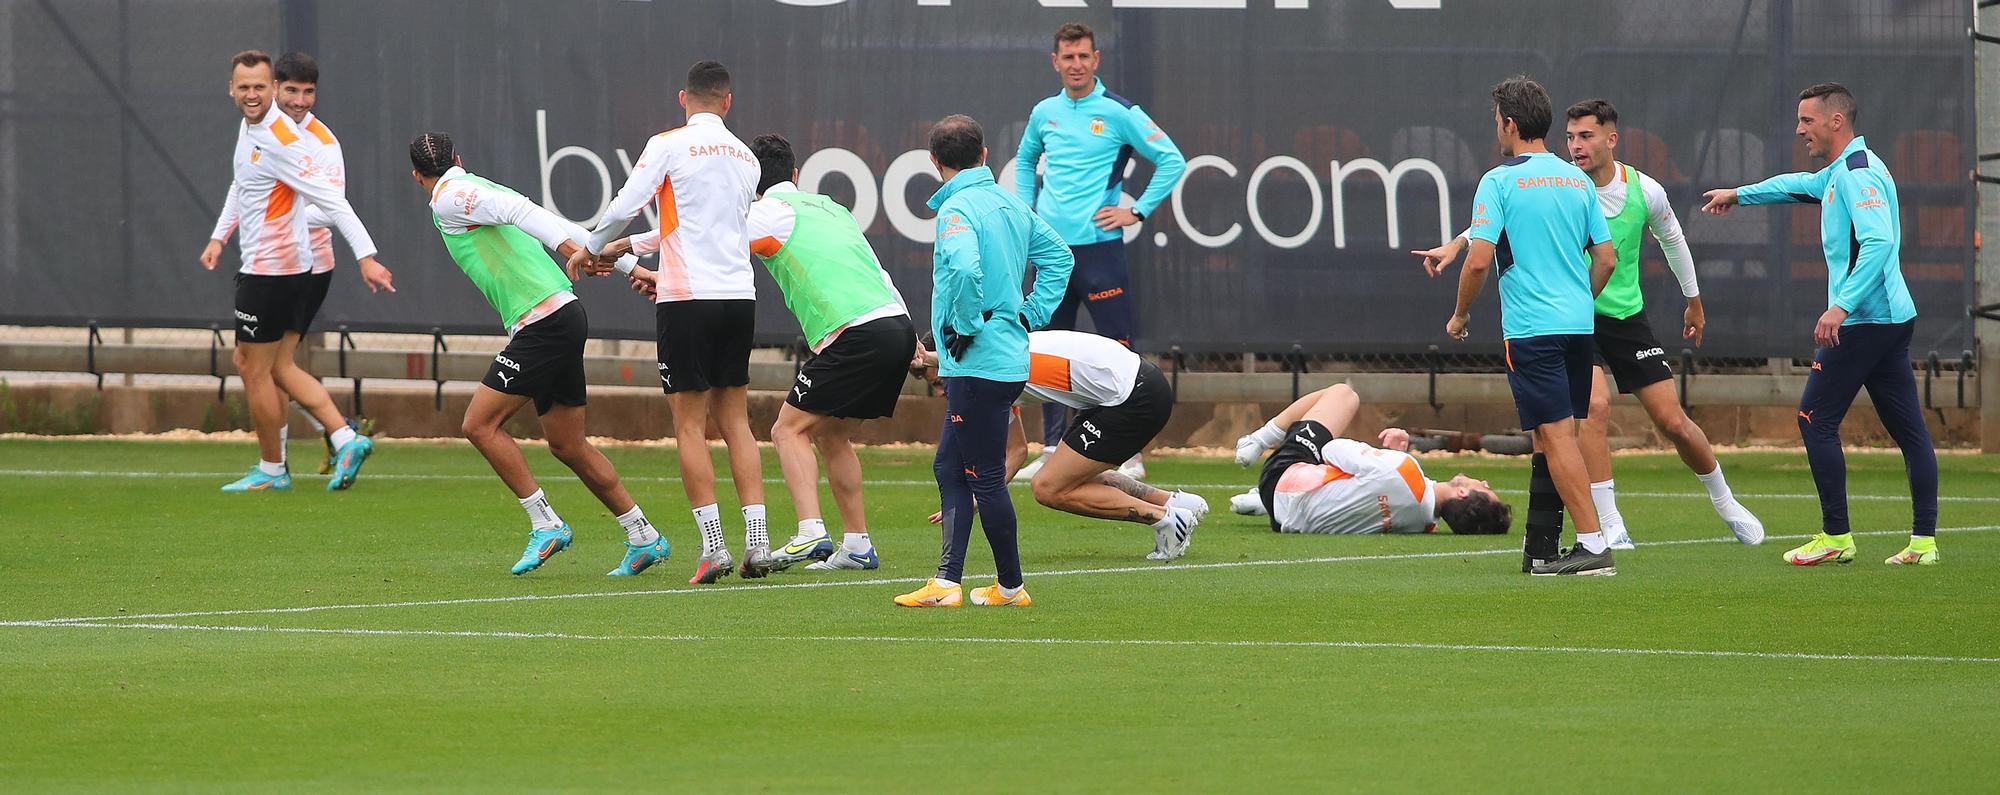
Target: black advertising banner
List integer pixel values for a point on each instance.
(1324, 140)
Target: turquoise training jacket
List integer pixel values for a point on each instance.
(985, 240)
(1088, 142)
(1858, 229)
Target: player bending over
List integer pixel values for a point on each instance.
(860, 334)
(1317, 482)
(496, 236)
(1122, 402)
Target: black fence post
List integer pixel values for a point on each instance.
(90, 354)
(347, 344)
(214, 361)
(1931, 369)
(1175, 380)
(1435, 360)
(1298, 366)
(1687, 375)
(437, 347)
(1964, 366)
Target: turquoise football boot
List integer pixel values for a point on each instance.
(258, 481)
(542, 545)
(640, 557)
(347, 463)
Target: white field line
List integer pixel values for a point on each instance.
(1227, 644)
(1245, 485)
(1234, 564)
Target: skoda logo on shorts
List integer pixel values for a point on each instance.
(502, 359)
(1649, 353)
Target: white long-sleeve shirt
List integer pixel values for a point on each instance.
(704, 179)
(317, 222)
(281, 168)
(463, 205)
(1357, 489)
(1660, 221)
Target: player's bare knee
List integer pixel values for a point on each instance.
(569, 449)
(1600, 409)
(474, 428)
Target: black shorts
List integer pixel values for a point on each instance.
(1302, 445)
(1113, 434)
(705, 344)
(1550, 377)
(1627, 349)
(544, 361)
(269, 306)
(861, 374)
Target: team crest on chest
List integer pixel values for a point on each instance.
(1097, 126)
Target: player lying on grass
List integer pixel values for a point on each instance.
(496, 236)
(1122, 402)
(1317, 482)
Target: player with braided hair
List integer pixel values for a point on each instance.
(496, 236)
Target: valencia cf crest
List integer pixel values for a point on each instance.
(1097, 126)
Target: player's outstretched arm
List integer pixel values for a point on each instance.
(1436, 260)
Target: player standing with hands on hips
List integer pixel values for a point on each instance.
(1090, 136)
(1863, 337)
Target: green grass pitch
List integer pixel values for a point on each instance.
(158, 635)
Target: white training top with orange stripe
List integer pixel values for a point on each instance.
(317, 220)
(704, 179)
(282, 168)
(1357, 490)
(1080, 370)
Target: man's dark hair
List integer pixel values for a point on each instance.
(431, 154)
(708, 80)
(249, 58)
(775, 160)
(1527, 103)
(956, 142)
(1837, 98)
(296, 67)
(1476, 513)
(1598, 109)
(1074, 31)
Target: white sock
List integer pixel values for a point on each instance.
(1268, 436)
(1182, 499)
(1012, 592)
(944, 583)
(810, 529)
(1606, 499)
(638, 531)
(541, 516)
(1592, 541)
(341, 436)
(1718, 488)
(755, 533)
(1166, 520)
(284, 444)
(708, 519)
(271, 468)
(856, 543)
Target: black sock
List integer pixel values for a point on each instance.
(1545, 512)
